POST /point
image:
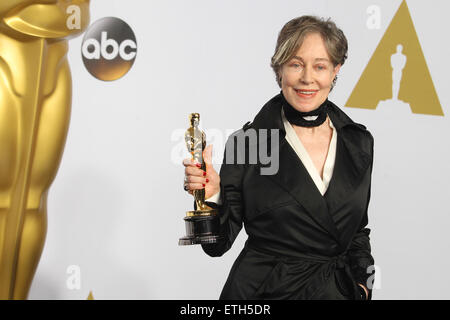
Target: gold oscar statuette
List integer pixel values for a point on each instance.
(202, 224)
(35, 102)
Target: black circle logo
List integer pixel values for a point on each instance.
(109, 48)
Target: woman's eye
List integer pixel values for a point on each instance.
(320, 67)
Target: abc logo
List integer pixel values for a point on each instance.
(109, 49)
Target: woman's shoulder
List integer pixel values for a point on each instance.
(343, 120)
(356, 132)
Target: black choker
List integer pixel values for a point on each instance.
(297, 117)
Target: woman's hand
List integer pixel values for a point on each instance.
(195, 178)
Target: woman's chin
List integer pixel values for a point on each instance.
(304, 106)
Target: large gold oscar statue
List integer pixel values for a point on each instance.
(35, 102)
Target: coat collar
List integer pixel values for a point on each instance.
(350, 165)
(269, 117)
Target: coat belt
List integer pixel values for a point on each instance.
(339, 262)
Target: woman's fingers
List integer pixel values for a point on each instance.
(195, 182)
(195, 178)
(193, 171)
(195, 186)
(189, 162)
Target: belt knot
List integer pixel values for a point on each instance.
(341, 260)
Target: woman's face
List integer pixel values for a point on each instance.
(306, 78)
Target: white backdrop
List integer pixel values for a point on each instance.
(116, 206)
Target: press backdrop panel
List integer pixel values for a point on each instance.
(116, 207)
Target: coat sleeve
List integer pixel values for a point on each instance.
(232, 208)
(360, 251)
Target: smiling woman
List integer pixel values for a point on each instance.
(307, 222)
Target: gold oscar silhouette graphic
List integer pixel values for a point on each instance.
(397, 77)
(202, 224)
(35, 102)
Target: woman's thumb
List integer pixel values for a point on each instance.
(207, 155)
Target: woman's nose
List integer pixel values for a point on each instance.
(306, 76)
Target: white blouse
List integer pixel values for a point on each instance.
(297, 145)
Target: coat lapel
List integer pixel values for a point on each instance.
(293, 177)
(350, 165)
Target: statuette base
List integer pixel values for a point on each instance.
(202, 227)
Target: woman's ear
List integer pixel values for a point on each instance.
(336, 70)
(334, 76)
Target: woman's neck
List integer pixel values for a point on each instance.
(313, 131)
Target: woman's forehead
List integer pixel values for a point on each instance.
(315, 59)
(312, 50)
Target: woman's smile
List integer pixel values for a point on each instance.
(306, 94)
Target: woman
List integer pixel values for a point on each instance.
(306, 223)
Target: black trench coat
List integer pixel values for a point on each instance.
(301, 245)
